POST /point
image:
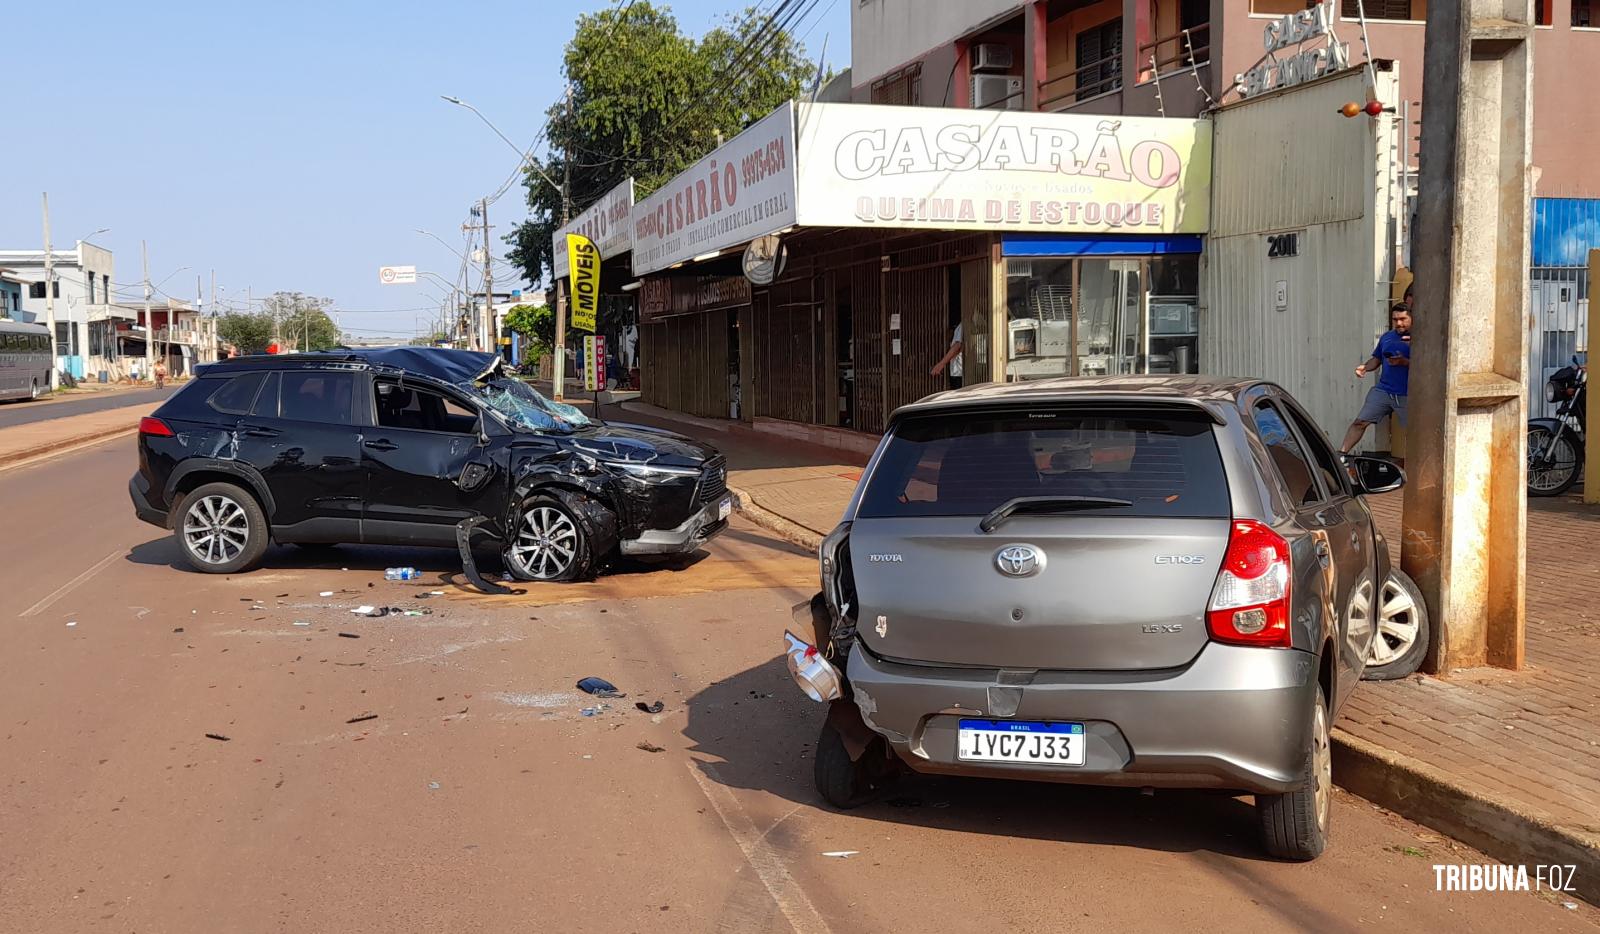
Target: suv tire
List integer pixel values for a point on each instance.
(1294, 825)
(843, 783)
(221, 529)
(549, 542)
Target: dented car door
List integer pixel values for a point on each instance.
(428, 465)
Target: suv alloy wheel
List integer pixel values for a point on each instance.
(221, 529)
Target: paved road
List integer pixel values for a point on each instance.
(23, 413)
(481, 798)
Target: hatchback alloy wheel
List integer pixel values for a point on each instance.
(216, 529)
(1322, 767)
(1398, 628)
(546, 543)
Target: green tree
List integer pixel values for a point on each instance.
(292, 319)
(249, 332)
(648, 101)
(536, 324)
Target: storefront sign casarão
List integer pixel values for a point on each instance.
(1296, 29)
(583, 259)
(663, 296)
(606, 223)
(944, 169)
(745, 189)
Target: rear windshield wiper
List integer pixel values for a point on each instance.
(1045, 504)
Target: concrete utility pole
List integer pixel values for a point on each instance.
(559, 352)
(1466, 502)
(1591, 441)
(149, 323)
(50, 295)
(488, 285)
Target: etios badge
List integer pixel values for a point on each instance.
(1019, 560)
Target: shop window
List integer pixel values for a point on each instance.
(1039, 318)
(1101, 316)
(1414, 10)
(1099, 59)
(899, 87)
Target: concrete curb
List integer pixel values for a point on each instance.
(1499, 828)
(791, 532)
(19, 458)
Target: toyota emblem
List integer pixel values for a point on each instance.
(1019, 560)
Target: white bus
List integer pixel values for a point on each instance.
(24, 360)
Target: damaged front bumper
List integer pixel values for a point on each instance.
(702, 526)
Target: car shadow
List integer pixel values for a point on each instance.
(760, 733)
(429, 561)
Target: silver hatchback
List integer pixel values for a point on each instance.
(1138, 581)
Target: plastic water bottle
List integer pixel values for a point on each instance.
(401, 574)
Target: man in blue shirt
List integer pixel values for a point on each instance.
(1393, 357)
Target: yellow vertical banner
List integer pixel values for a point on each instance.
(583, 265)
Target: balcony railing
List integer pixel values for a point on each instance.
(1185, 49)
(1082, 83)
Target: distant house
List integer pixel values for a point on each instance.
(10, 294)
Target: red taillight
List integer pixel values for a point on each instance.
(1250, 602)
(154, 427)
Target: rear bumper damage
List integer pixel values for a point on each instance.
(139, 492)
(1234, 718)
(702, 526)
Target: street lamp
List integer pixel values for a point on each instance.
(95, 234)
(522, 156)
(443, 244)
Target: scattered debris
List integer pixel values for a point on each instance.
(363, 718)
(592, 711)
(143, 611)
(434, 786)
(538, 701)
(348, 635)
(365, 610)
(349, 664)
(418, 612)
(648, 746)
(656, 707)
(219, 737)
(1570, 906)
(179, 629)
(302, 622)
(841, 854)
(73, 623)
(326, 593)
(599, 687)
(759, 695)
(430, 593)
(401, 574)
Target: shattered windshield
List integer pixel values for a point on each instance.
(525, 408)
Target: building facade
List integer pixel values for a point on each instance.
(82, 285)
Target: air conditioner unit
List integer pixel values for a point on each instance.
(991, 57)
(1001, 91)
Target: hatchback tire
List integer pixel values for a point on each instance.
(1401, 641)
(1294, 825)
(550, 543)
(221, 529)
(847, 784)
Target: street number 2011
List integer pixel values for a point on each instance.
(1283, 245)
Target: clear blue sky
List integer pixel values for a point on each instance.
(291, 145)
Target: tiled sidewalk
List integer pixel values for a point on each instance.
(1527, 742)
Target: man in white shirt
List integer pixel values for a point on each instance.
(951, 359)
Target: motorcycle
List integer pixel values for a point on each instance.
(1555, 445)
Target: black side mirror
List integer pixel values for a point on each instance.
(1375, 474)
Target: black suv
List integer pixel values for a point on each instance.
(401, 446)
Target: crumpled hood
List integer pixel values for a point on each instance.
(639, 443)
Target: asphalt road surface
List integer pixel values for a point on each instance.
(27, 412)
(476, 795)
